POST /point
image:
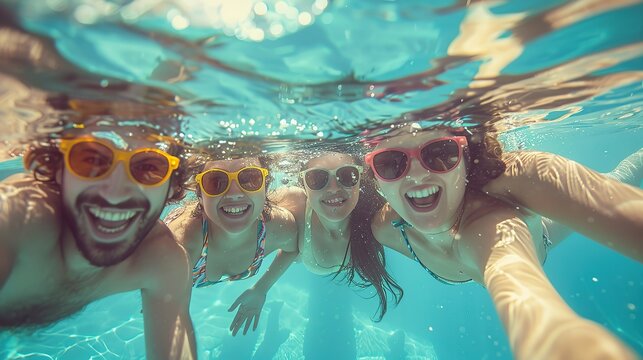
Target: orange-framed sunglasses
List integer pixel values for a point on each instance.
(93, 159)
(214, 182)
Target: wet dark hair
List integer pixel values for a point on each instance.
(196, 164)
(44, 159)
(483, 155)
(366, 253)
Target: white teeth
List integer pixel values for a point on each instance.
(111, 231)
(422, 193)
(336, 200)
(235, 209)
(109, 215)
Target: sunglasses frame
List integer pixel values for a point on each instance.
(415, 153)
(333, 172)
(124, 156)
(232, 176)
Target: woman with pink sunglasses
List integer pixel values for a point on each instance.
(440, 214)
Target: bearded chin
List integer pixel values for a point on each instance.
(99, 254)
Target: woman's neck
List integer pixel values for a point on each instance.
(449, 230)
(335, 229)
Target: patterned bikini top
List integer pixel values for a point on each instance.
(401, 224)
(199, 277)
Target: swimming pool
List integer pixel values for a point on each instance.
(554, 76)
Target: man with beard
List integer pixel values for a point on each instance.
(85, 225)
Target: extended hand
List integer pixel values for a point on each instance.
(250, 304)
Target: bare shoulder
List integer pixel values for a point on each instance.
(180, 221)
(186, 228)
(292, 198)
(160, 258)
(29, 210)
(381, 226)
(490, 224)
(481, 208)
(282, 228)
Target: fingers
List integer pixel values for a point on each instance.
(242, 318)
(248, 322)
(254, 327)
(244, 315)
(235, 303)
(237, 322)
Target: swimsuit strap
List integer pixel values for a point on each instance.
(401, 225)
(259, 253)
(198, 273)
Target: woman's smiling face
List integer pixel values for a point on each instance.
(334, 202)
(423, 198)
(235, 210)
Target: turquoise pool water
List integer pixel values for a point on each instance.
(552, 75)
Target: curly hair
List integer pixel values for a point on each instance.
(72, 115)
(483, 155)
(366, 253)
(196, 164)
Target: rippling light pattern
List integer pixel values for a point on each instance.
(252, 20)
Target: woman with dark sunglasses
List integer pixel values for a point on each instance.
(439, 215)
(232, 227)
(333, 212)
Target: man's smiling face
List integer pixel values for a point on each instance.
(111, 215)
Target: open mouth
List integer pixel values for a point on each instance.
(110, 223)
(424, 200)
(235, 211)
(334, 201)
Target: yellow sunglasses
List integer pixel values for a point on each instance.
(214, 182)
(94, 159)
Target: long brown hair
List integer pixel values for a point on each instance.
(366, 253)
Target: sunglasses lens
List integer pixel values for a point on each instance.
(149, 167)
(348, 176)
(90, 159)
(250, 179)
(215, 182)
(441, 155)
(316, 179)
(390, 165)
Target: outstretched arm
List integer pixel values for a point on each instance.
(169, 333)
(283, 231)
(251, 301)
(538, 322)
(600, 208)
(27, 213)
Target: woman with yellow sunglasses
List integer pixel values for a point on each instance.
(232, 227)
